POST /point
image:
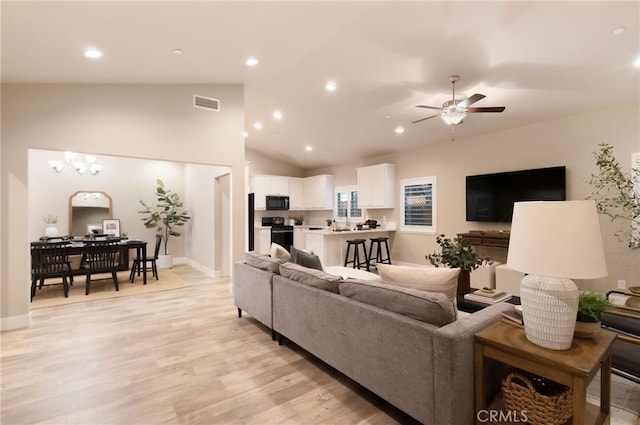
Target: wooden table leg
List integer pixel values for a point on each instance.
(605, 386)
(579, 400)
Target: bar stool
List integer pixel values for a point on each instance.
(378, 258)
(356, 254)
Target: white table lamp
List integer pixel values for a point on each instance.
(553, 242)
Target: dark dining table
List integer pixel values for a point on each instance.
(79, 246)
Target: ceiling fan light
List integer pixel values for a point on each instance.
(453, 117)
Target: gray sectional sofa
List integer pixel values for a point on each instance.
(405, 345)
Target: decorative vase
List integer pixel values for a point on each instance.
(586, 329)
(464, 282)
(51, 231)
(164, 261)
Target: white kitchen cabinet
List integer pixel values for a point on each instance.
(263, 236)
(296, 193)
(299, 240)
(318, 192)
(375, 186)
(268, 185)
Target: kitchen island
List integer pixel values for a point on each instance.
(331, 246)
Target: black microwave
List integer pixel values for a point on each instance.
(277, 203)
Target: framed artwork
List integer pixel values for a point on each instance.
(111, 227)
(94, 229)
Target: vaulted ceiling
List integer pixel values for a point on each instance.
(541, 60)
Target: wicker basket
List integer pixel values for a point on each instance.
(545, 402)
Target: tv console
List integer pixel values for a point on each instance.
(495, 238)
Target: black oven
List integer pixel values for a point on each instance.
(281, 233)
(277, 203)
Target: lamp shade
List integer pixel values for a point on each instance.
(557, 238)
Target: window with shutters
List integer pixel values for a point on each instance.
(418, 205)
(347, 204)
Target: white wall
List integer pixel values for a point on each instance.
(144, 121)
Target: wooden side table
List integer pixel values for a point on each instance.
(574, 368)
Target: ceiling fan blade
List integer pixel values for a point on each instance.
(422, 119)
(429, 107)
(470, 100)
(487, 109)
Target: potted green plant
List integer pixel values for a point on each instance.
(590, 306)
(617, 194)
(458, 253)
(165, 217)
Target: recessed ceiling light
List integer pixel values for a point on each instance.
(331, 86)
(387, 117)
(399, 130)
(93, 53)
(251, 62)
(177, 51)
(277, 115)
(258, 125)
(618, 31)
(637, 63)
(308, 148)
(245, 134)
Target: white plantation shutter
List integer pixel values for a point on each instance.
(418, 204)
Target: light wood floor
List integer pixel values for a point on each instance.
(176, 357)
(179, 356)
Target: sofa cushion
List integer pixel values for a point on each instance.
(279, 252)
(432, 279)
(264, 262)
(311, 277)
(430, 307)
(305, 258)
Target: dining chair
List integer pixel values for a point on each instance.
(139, 263)
(49, 260)
(102, 257)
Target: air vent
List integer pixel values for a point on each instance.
(206, 103)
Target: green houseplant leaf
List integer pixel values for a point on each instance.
(457, 253)
(617, 195)
(165, 215)
(591, 304)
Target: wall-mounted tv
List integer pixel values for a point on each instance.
(490, 197)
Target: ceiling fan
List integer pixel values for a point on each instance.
(455, 110)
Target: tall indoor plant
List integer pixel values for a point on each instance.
(617, 194)
(165, 215)
(458, 253)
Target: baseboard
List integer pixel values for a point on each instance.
(214, 274)
(15, 322)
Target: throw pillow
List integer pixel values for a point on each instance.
(311, 277)
(279, 252)
(306, 259)
(434, 308)
(263, 262)
(431, 279)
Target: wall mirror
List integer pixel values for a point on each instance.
(87, 209)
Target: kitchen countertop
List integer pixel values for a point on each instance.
(329, 232)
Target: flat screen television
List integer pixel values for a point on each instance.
(490, 197)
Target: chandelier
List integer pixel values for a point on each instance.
(75, 161)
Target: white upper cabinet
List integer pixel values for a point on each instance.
(269, 185)
(296, 193)
(375, 186)
(318, 192)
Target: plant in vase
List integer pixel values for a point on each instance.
(51, 230)
(458, 253)
(590, 306)
(617, 194)
(166, 215)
